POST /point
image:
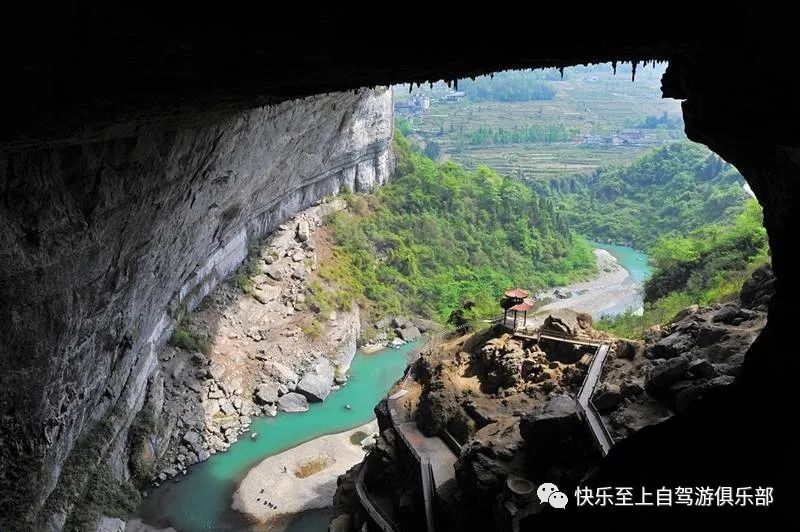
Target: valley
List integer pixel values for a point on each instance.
(397, 308)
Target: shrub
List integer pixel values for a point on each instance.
(313, 329)
(244, 283)
(184, 339)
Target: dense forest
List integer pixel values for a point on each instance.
(440, 235)
(705, 266)
(674, 189)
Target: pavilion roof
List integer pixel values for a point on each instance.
(517, 293)
(525, 306)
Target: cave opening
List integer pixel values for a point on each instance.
(669, 355)
(102, 170)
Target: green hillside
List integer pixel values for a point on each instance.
(439, 234)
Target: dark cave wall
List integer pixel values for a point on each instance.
(103, 242)
(743, 435)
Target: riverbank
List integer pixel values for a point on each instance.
(613, 291)
(202, 498)
(302, 478)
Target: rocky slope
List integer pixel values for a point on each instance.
(698, 354)
(106, 243)
(510, 404)
(253, 347)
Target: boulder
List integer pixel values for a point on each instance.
(226, 407)
(274, 272)
(662, 376)
(401, 322)
(303, 231)
(685, 313)
(283, 373)
(216, 371)
(708, 335)
(630, 389)
(758, 289)
(568, 321)
(690, 394)
(368, 442)
(486, 462)
(562, 294)
(293, 402)
(627, 349)
(558, 417)
(266, 393)
(316, 383)
(702, 368)
(300, 273)
(409, 334)
(726, 314)
(193, 440)
(254, 334)
(266, 293)
(435, 410)
(585, 361)
(424, 325)
(672, 346)
(331, 207)
(606, 397)
(281, 241)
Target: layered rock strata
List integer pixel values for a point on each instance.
(106, 243)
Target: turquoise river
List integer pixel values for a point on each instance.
(634, 261)
(201, 500)
(638, 266)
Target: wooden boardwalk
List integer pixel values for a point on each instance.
(379, 516)
(600, 433)
(436, 465)
(594, 421)
(436, 460)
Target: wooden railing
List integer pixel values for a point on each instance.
(379, 516)
(597, 427)
(428, 484)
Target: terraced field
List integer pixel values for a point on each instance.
(592, 103)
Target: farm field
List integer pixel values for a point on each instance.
(592, 106)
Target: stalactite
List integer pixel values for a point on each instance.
(614, 66)
(633, 70)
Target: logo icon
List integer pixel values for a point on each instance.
(549, 493)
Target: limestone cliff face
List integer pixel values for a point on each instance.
(103, 243)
